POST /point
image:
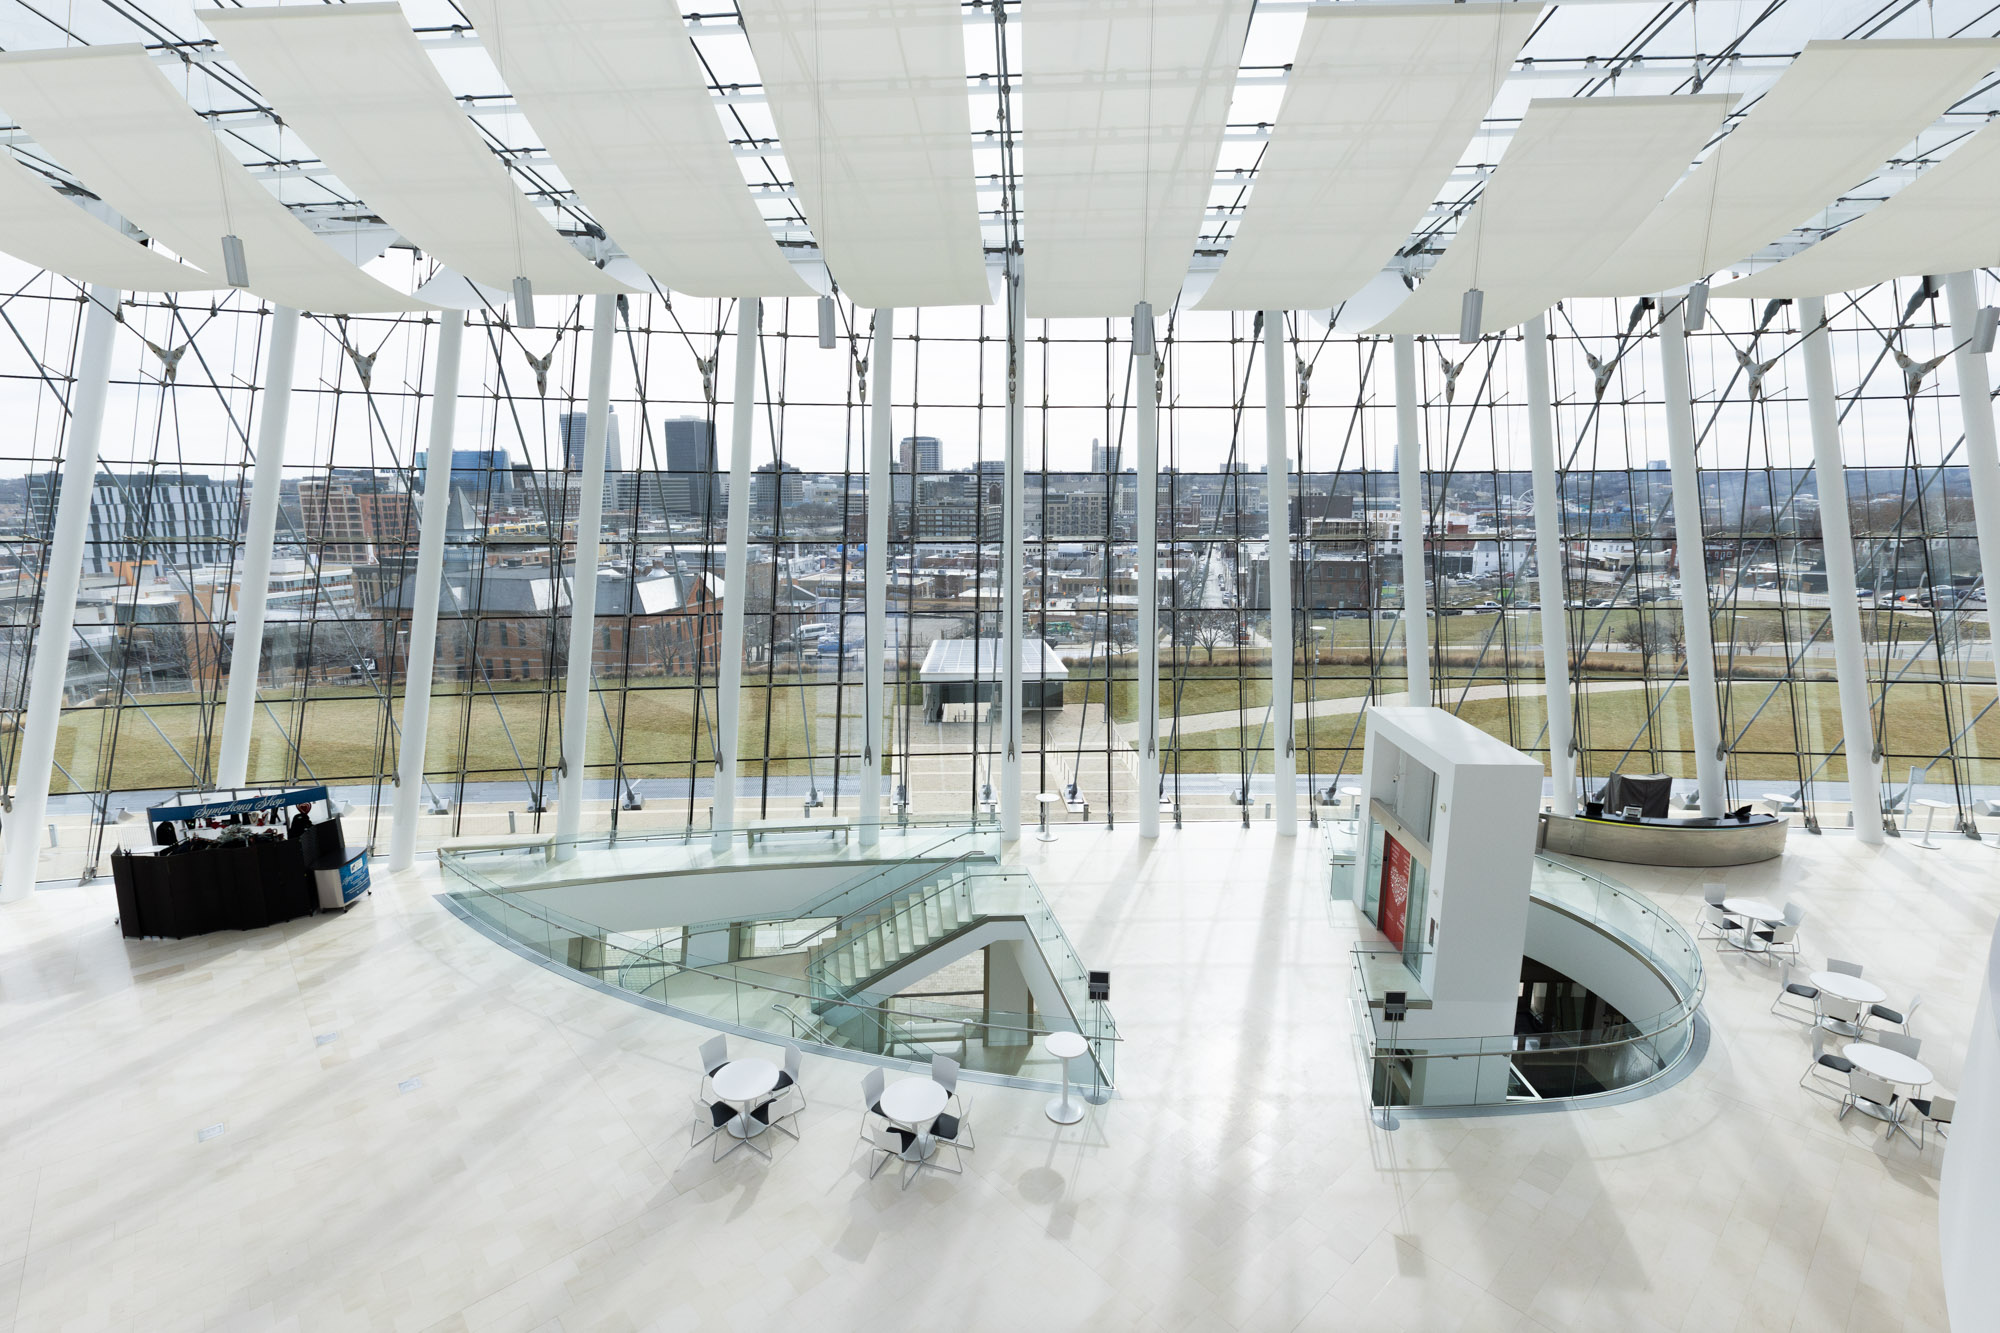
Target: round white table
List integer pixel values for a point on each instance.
(1757, 910)
(1850, 988)
(1892, 1067)
(741, 1083)
(1930, 808)
(914, 1103)
(1065, 1046)
(1048, 800)
(1883, 1063)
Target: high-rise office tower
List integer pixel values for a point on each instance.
(573, 425)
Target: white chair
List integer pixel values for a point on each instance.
(788, 1099)
(872, 1084)
(1866, 1091)
(1783, 936)
(887, 1142)
(1790, 993)
(710, 1115)
(1838, 1016)
(954, 1125)
(714, 1055)
(1824, 1060)
(1934, 1111)
(1715, 919)
(1901, 1043)
(1712, 915)
(1844, 968)
(1900, 1019)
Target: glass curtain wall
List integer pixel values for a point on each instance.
(155, 628)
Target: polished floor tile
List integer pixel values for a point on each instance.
(419, 1130)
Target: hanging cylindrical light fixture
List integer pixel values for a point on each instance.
(1470, 311)
(524, 303)
(827, 328)
(1695, 313)
(235, 269)
(1142, 329)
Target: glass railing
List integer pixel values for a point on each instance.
(549, 860)
(771, 993)
(950, 898)
(1465, 1070)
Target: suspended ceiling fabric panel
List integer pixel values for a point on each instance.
(1944, 221)
(620, 101)
(1579, 176)
(1382, 101)
(870, 101)
(41, 227)
(1827, 124)
(352, 80)
(1123, 107)
(109, 115)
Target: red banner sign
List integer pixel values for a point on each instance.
(1395, 889)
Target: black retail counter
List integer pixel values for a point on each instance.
(238, 886)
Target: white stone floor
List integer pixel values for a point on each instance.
(485, 1145)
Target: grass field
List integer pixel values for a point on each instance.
(344, 732)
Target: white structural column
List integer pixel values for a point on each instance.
(1975, 405)
(421, 653)
(735, 569)
(1278, 498)
(881, 500)
(61, 571)
(1410, 489)
(1549, 563)
(1850, 655)
(583, 582)
(239, 703)
(1012, 548)
(1696, 623)
(1146, 551)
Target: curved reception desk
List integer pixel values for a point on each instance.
(1666, 842)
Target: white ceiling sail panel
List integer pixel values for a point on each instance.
(41, 227)
(869, 97)
(1834, 116)
(620, 101)
(1579, 176)
(1123, 107)
(1381, 103)
(1945, 221)
(109, 115)
(355, 84)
